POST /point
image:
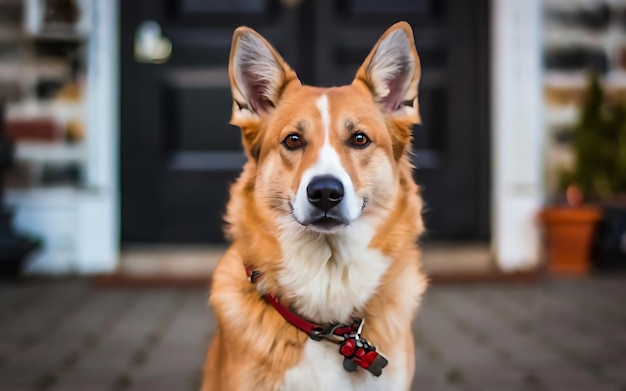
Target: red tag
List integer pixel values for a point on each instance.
(370, 357)
(347, 348)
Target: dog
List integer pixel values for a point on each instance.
(322, 280)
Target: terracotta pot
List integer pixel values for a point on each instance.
(569, 232)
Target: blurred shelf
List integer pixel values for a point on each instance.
(559, 37)
(561, 89)
(44, 197)
(59, 111)
(50, 152)
(576, 4)
(561, 115)
(578, 80)
(28, 72)
(62, 195)
(59, 36)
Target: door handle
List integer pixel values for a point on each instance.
(151, 46)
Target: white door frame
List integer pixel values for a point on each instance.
(98, 223)
(517, 132)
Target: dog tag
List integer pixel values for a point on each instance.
(376, 367)
(349, 365)
(357, 352)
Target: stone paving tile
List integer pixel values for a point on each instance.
(125, 340)
(14, 299)
(558, 328)
(179, 350)
(616, 373)
(556, 335)
(79, 330)
(42, 313)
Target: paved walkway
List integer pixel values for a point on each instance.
(565, 335)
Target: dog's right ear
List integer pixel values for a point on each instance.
(258, 76)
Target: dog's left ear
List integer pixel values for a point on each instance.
(392, 72)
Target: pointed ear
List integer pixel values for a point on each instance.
(258, 76)
(392, 72)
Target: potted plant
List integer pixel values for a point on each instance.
(597, 176)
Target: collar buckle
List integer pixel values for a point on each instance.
(336, 333)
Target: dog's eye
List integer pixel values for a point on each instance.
(359, 140)
(293, 141)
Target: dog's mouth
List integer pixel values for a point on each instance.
(326, 224)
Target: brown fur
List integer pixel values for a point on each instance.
(254, 346)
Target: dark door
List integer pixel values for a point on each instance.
(178, 153)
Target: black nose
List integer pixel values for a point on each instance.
(325, 192)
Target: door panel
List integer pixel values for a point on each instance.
(179, 154)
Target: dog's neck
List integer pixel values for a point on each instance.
(330, 277)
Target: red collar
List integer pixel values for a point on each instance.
(355, 349)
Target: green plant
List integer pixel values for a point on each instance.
(599, 146)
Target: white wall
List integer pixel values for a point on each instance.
(517, 132)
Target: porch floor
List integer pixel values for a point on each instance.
(549, 335)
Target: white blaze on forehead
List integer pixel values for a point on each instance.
(322, 106)
(328, 163)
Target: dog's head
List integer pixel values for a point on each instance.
(325, 157)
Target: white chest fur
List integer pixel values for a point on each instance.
(329, 277)
(321, 368)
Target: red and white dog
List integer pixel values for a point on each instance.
(322, 280)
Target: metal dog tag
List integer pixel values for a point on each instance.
(376, 367)
(349, 365)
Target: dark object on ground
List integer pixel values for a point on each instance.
(14, 248)
(609, 250)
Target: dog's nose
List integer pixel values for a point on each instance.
(325, 192)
